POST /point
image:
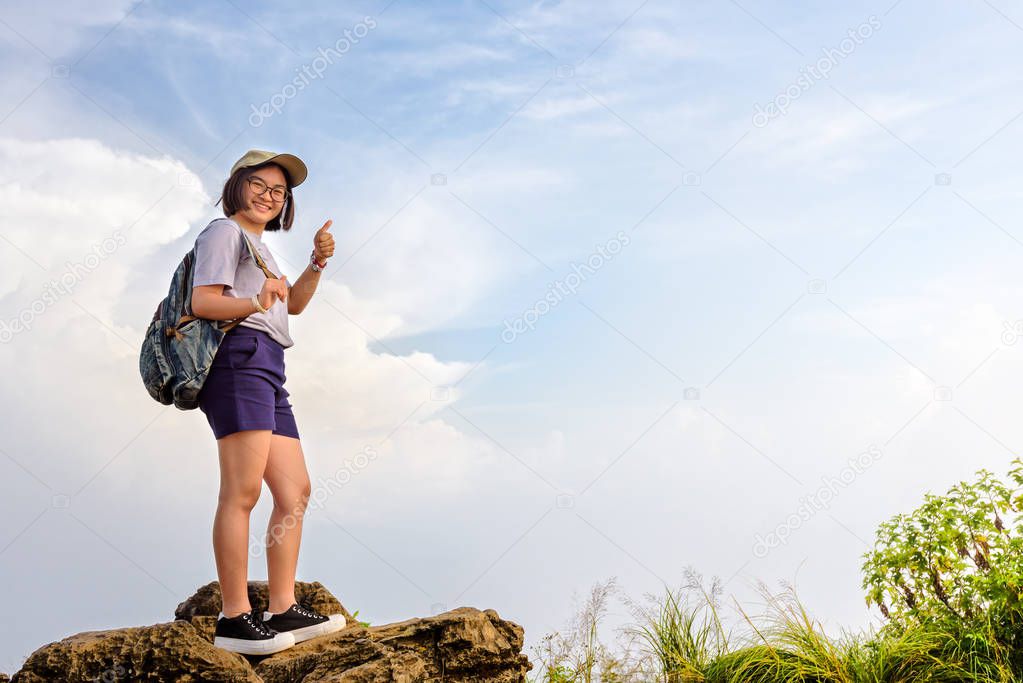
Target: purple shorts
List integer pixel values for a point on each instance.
(245, 386)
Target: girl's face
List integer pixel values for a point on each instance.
(262, 208)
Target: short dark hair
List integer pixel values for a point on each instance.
(233, 196)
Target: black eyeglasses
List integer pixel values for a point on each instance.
(278, 194)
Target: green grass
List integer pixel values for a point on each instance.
(682, 639)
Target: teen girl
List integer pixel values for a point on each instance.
(246, 404)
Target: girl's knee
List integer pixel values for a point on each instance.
(292, 501)
(240, 498)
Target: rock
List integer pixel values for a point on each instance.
(172, 651)
(459, 646)
(463, 645)
(347, 653)
(205, 626)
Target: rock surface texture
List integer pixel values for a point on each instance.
(463, 645)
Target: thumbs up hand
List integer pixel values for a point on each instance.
(323, 242)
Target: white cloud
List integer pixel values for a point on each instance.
(67, 197)
(427, 263)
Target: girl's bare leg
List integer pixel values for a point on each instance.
(288, 479)
(243, 458)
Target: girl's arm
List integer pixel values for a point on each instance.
(218, 249)
(210, 302)
(302, 291)
(305, 286)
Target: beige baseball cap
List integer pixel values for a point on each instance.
(295, 166)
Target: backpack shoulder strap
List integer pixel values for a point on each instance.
(227, 325)
(253, 252)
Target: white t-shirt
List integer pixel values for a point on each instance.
(221, 258)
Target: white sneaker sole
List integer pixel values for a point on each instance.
(282, 641)
(336, 623)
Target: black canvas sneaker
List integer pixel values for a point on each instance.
(247, 635)
(303, 623)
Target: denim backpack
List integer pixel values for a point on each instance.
(178, 347)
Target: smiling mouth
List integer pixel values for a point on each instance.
(261, 207)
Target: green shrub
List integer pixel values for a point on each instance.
(956, 563)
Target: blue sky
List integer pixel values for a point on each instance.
(839, 279)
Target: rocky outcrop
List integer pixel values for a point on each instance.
(463, 645)
(173, 651)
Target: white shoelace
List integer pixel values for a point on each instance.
(262, 630)
(304, 612)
